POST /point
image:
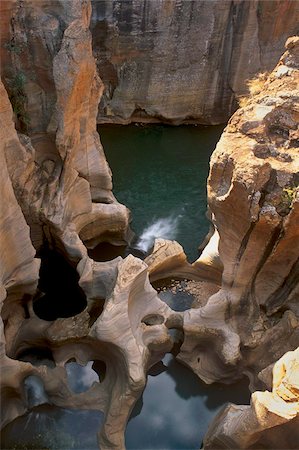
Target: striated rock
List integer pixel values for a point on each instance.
(253, 196)
(168, 259)
(184, 61)
(62, 179)
(129, 336)
(55, 178)
(18, 270)
(59, 181)
(271, 421)
(171, 61)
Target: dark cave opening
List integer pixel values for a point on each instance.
(60, 294)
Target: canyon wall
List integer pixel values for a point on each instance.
(57, 191)
(175, 61)
(169, 60)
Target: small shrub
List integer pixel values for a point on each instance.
(289, 195)
(18, 99)
(11, 46)
(287, 199)
(255, 86)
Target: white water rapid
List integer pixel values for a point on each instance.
(160, 228)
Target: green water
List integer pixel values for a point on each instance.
(160, 172)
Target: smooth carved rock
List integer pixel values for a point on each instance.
(254, 202)
(271, 421)
(46, 176)
(18, 269)
(60, 179)
(168, 260)
(130, 335)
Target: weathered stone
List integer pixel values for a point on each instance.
(271, 421)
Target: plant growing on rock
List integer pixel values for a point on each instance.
(11, 46)
(18, 99)
(288, 197)
(255, 86)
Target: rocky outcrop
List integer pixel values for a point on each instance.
(179, 61)
(171, 61)
(62, 179)
(55, 178)
(271, 421)
(253, 197)
(18, 267)
(58, 181)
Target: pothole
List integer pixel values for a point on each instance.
(81, 378)
(37, 356)
(153, 319)
(61, 295)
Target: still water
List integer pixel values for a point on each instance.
(160, 173)
(173, 413)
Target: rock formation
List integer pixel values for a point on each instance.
(253, 197)
(181, 61)
(159, 61)
(271, 421)
(56, 190)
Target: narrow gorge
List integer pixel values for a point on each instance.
(160, 310)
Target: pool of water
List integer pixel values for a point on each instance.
(160, 173)
(176, 408)
(48, 427)
(173, 413)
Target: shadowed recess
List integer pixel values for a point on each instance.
(62, 297)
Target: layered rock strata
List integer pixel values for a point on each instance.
(159, 61)
(176, 61)
(58, 180)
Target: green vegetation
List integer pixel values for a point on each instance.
(11, 46)
(18, 99)
(289, 195)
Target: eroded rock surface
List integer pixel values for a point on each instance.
(184, 60)
(271, 421)
(253, 196)
(55, 178)
(169, 61)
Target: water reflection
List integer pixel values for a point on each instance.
(173, 413)
(81, 378)
(53, 428)
(177, 408)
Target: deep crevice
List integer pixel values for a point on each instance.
(60, 294)
(277, 299)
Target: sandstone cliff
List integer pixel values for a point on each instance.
(169, 60)
(56, 188)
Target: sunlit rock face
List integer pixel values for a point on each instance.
(271, 421)
(176, 61)
(253, 197)
(55, 178)
(62, 179)
(18, 268)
